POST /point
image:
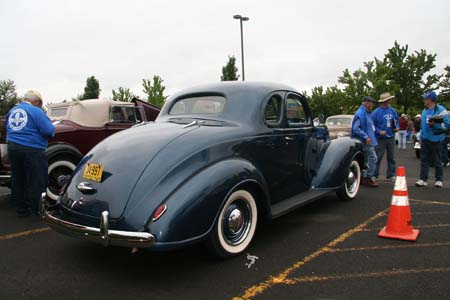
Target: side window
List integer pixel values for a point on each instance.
(295, 112)
(125, 114)
(272, 111)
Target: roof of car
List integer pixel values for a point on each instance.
(90, 113)
(341, 116)
(244, 98)
(235, 87)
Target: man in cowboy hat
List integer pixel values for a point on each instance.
(386, 122)
(28, 129)
(363, 130)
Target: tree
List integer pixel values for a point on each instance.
(8, 96)
(327, 102)
(122, 94)
(444, 95)
(229, 71)
(410, 75)
(91, 90)
(154, 90)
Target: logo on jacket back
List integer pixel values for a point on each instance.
(18, 119)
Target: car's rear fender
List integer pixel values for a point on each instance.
(334, 159)
(192, 208)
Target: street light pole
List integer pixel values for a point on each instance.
(241, 20)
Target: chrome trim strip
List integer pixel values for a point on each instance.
(102, 235)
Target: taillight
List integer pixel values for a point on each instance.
(159, 212)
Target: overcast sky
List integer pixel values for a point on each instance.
(52, 46)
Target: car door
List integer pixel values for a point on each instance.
(270, 150)
(298, 132)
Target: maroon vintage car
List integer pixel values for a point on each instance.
(80, 125)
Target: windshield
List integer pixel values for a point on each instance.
(198, 105)
(339, 122)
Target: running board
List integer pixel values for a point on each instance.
(288, 205)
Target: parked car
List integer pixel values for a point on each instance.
(79, 126)
(218, 160)
(417, 144)
(339, 126)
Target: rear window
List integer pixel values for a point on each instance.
(58, 112)
(198, 105)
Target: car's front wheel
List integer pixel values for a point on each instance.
(352, 182)
(235, 227)
(58, 167)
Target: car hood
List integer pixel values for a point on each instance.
(124, 156)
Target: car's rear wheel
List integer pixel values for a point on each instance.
(235, 227)
(57, 167)
(352, 182)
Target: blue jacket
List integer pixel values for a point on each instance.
(28, 126)
(437, 132)
(362, 126)
(385, 119)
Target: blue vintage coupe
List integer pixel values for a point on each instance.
(219, 159)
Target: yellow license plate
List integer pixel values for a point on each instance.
(93, 172)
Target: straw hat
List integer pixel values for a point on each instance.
(385, 97)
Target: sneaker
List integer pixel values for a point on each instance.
(446, 164)
(421, 183)
(438, 184)
(391, 178)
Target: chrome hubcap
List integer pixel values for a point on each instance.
(352, 179)
(236, 222)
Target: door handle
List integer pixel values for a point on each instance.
(288, 138)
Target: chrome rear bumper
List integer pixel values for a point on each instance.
(102, 235)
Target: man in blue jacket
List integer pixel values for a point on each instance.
(27, 129)
(386, 122)
(435, 123)
(363, 130)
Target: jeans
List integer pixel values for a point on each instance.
(387, 145)
(431, 153)
(402, 139)
(371, 161)
(28, 176)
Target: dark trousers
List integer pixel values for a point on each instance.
(445, 150)
(431, 154)
(386, 145)
(28, 176)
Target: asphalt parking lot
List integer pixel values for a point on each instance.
(326, 250)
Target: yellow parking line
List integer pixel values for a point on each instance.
(431, 212)
(415, 226)
(309, 279)
(389, 247)
(23, 233)
(281, 277)
(430, 202)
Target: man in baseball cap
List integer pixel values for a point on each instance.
(27, 129)
(364, 130)
(434, 124)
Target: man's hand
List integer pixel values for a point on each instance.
(383, 132)
(368, 141)
(431, 122)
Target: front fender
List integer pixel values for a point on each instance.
(193, 208)
(334, 158)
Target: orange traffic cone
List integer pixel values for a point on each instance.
(399, 224)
